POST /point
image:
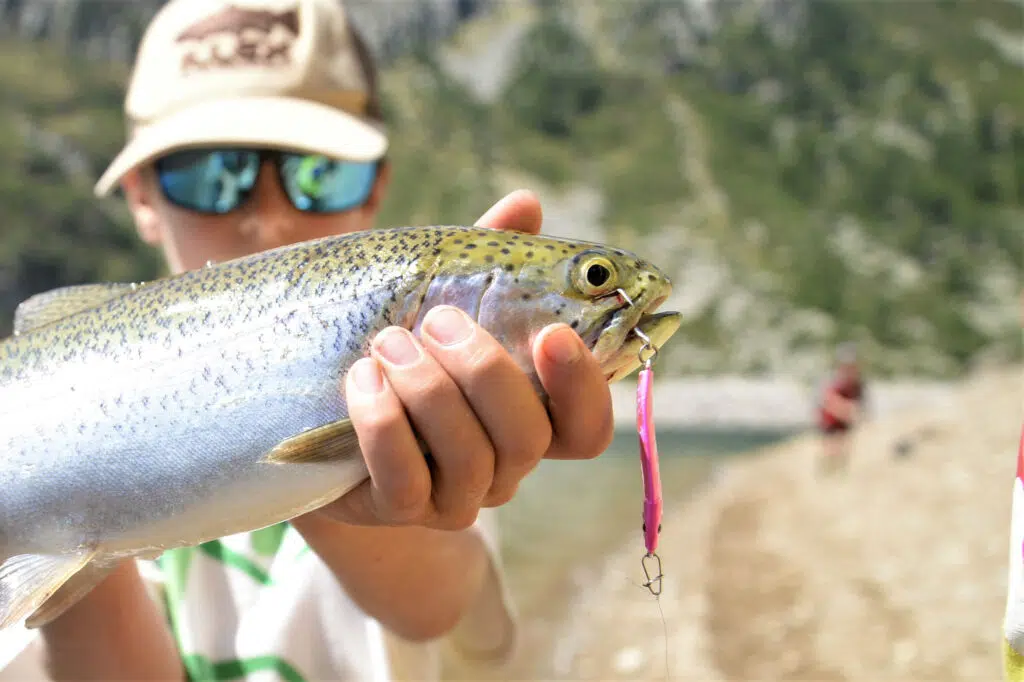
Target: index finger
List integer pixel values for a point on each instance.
(579, 399)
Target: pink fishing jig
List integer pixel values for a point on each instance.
(649, 466)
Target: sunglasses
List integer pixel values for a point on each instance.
(218, 181)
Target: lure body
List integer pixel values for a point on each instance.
(649, 458)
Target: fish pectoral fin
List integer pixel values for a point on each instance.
(70, 593)
(55, 304)
(28, 580)
(327, 443)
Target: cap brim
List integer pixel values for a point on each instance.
(273, 122)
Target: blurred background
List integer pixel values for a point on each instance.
(808, 171)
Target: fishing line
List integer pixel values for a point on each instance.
(664, 622)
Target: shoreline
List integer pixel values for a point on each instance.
(771, 403)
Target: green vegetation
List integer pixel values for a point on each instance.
(60, 122)
(864, 167)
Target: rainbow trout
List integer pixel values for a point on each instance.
(137, 418)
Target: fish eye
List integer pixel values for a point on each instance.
(596, 276)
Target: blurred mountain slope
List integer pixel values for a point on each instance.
(808, 171)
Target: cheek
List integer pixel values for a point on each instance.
(190, 240)
(315, 226)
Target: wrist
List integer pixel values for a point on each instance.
(419, 582)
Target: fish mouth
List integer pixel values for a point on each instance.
(620, 344)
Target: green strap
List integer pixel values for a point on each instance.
(175, 565)
(267, 541)
(201, 669)
(217, 550)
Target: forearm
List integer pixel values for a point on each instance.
(417, 582)
(116, 632)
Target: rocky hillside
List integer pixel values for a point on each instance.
(808, 171)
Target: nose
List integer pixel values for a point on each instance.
(268, 218)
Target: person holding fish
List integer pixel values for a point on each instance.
(253, 127)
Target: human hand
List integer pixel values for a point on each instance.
(482, 441)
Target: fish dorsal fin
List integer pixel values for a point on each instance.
(55, 304)
(326, 443)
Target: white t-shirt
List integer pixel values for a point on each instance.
(262, 607)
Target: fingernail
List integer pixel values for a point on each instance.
(366, 376)
(563, 346)
(397, 347)
(447, 326)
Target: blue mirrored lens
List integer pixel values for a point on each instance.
(208, 181)
(319, 184)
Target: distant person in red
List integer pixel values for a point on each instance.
(840, 406)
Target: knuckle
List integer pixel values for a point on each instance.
(459, 519)
(465, 498)
(481, 475)
(488, 360)
(500, 495)
(539, 438)
(525, 446)
(407, 501)
(380, 420)
(432, 386)
(377, 422)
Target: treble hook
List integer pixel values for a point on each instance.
(653, 583)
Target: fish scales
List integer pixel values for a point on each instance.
(143, 422)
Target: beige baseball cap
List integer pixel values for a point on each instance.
(291, 74)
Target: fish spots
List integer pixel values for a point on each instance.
(358, 282)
